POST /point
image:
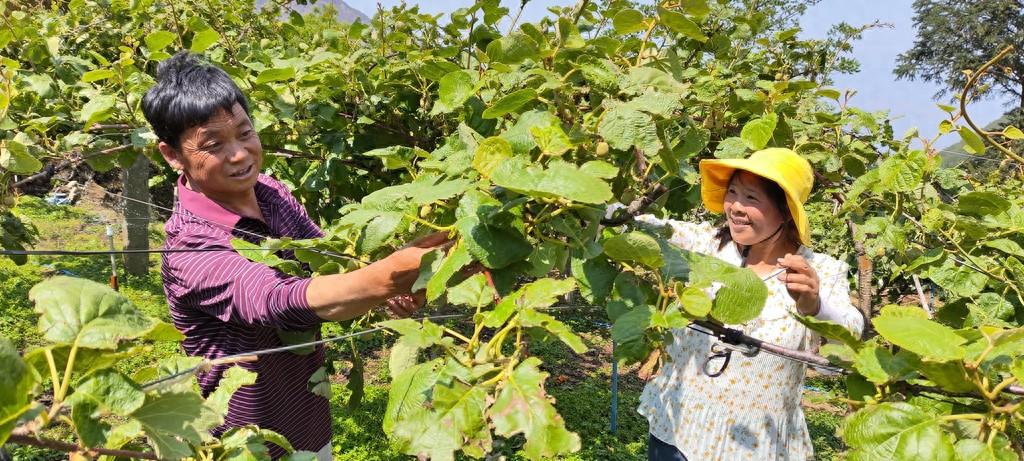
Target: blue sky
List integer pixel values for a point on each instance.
(910, 103)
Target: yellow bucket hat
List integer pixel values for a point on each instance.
(790, 171)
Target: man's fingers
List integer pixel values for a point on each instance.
(432, 240)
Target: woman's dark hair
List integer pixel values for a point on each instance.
(187, 93)
(777, 196)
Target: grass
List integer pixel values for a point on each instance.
(579, 384)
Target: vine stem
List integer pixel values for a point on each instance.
(22, 439)
(971, 81)
(643, 44)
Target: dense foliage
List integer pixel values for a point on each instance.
(515, 139)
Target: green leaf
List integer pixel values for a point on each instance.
(83, 312)
(474, 292)
(694, 300)
(217, 402)
(167, 420)
(111, 392)
(513, 48)
(629, 330)
(696, 8)
(880, 366)
(458, 418)
(924, 337)
(494, 246)
(623, 128)
(278, 74)
(1012, 132)
(97, 109)
(510, 103)
(897, 431)
(96, 75)
(523, 407)
(600, 169)
(403, 356)
(742, 294)
(409, 392)
(972, 142)
(982, 203)
(977, 450)
(551, 139)
(205, 39)
(634, 246)
(534, 295)
(532, 318)
(489, 154)
(595, 277)
(453, 91)
(678, 23)
(951, 376)
(457, 258)
(757, 132)
(17, 159)
(731, 147)
(628, 21)
(159, 39)
(830, 330)
(900, 175)
(16, 381)
(560, 180)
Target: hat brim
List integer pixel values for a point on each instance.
(714, 183)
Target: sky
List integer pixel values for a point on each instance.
(911, 103)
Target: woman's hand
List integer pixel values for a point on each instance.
(801, 282)
(403, 306)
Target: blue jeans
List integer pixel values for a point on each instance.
(661, 451)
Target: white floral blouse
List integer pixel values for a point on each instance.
(752, 411)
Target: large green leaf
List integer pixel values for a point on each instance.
(921, 336)
(453, 91)
(457, 418)
(560, 180)
(16, 158)
(203, 40)
(628, 21)
(976, 450)
(982, 203)
(83, 312)
(510, 103)
(409, 392)
(523, 407)
(457, 258)
(742, 294)
(111, 392)
(624, 127)
(532, 318)
(159, 39)
(595, 278)
(97, 109)
(680, 24)
(880, 366)
(167, 420)
(489, 154)
(16, 383)
(513, 48)
(896, 431)
(276, 74)
(757, 132)
(216, 405)
(634, 246)
(629, 330)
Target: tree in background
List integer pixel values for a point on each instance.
(953, 35)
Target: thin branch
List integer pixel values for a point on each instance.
(637, 206)
(71, 448)
(971, 81)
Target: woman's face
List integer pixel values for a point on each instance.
(222, 157)
(750, 212)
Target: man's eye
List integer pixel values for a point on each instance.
(211, 146)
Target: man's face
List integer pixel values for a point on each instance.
(220, 158)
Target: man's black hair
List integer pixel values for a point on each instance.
(188, 92)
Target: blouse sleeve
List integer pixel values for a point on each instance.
(692, 236)
(834, 293)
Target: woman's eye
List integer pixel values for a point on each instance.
(247, 133)
(211, 146)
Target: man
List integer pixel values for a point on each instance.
(225, 304)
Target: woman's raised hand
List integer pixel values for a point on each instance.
(802, 283)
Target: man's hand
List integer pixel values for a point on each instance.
(404, 305)
(404, 264)
(801, 282)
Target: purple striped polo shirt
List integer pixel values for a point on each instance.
(225, 304)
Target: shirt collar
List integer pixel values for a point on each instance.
(202, 206)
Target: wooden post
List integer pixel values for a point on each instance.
(137, 215)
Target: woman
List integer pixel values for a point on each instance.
(752, 410)
(225, 304)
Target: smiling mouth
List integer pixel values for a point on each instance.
(243, 173)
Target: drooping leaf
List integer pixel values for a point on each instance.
(680, 24)
(16, 381)
(634, 246)
(523, 407)
(830, 330)
(474, 292)
(742, 293)
(972, 142)
(532, 318)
